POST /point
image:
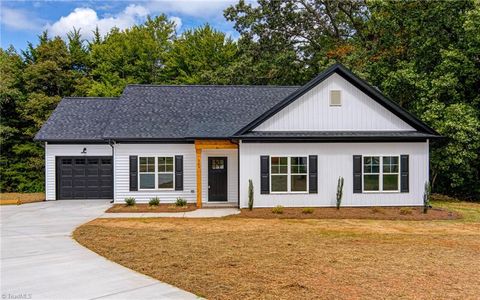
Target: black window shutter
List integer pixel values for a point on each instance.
(179, 172)
(312, 174)
(404, 173)
(264, 174)
(133, 173)
(357, 174)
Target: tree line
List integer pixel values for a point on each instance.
(423, 55)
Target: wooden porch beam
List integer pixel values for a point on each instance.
(199, 177)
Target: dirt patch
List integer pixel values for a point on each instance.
(145, 208)
(21, 198)
(247, 258)
(374, 213)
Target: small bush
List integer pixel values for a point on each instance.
(130, 201)
(339, 191)
(250, 194)
(277, 209)
(180, 202)
(307, 210)
(377, 210)
(155, 201)
(406, 211)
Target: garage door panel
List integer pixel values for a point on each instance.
(84, 177)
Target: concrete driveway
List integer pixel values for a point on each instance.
(40, 260)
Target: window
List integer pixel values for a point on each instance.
(288, 174)
(335, 98)
(390, 173)
(218, 164)
(279, 174)
(165, 172)
(147, 172)
(298, 177)
(156, 172)
(380, 173)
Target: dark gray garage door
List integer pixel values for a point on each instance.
(84, 177)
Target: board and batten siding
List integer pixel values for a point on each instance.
(232, 172)
(122, 164)
(312, 111)
(334, 160)
(54, 150)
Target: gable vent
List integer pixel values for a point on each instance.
(335, 98)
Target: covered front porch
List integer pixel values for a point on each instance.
(217, 173)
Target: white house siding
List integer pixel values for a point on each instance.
(334, 160)
(312, 111)
(53, 150)
(232, 172)
(122, 171)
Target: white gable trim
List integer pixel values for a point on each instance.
(312, 111)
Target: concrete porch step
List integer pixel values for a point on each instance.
(220, 205)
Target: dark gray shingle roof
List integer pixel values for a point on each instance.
(78, 119)
(188, 111)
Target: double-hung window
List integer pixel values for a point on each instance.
(156, 172)
(147, 172)
(288, 174)
(165, 172)
(381, 173)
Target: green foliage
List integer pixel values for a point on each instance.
(250, 194)
(130, 201)
(155, 201)
(307, 210)
(180, 202)
(425, 56)
(277, 210)
(197, 55)
(339, 191)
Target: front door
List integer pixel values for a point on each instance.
(217, 179)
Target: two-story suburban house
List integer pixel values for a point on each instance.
(204, 143)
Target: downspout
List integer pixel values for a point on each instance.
(111, 143)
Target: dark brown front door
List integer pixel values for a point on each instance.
(217, 179)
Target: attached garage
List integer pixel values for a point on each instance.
(84, 177)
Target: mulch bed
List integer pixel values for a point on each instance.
(374, 213)
(145, 208)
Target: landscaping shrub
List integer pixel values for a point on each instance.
(377, 210)
(426, 198)
(307, 210)
(339, 191)
(155, 201)
(250, 194)
(130, 201)
(277, 209)
(406, 211)
(181, 202)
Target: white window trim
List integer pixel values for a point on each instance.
(380, 174)
(156, 173)
(289, 174)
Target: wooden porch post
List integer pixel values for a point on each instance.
(199, 177)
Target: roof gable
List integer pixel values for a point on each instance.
(313, 112)
(355, 81)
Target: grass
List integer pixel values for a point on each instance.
(246, 258)
(20, 198)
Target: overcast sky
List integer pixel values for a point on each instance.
(23, 21)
